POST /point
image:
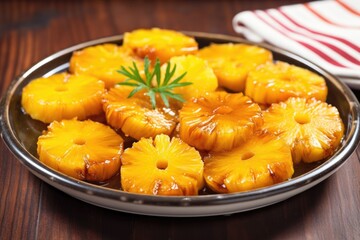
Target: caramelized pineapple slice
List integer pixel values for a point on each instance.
(103, 61)
(312, 128)
(159, 43)
(63, 96)
(261, 161)
(161, 166)
(276, 82)
(135, 116)
(85, 150)
(232, 62)
(219, 121)
(198, 72)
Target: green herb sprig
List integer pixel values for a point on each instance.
(164, 88)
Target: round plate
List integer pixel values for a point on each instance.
(20, 133)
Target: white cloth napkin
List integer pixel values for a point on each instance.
(324, 32)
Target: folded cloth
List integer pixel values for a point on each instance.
(324, 32)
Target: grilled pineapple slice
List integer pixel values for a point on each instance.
(85, 150)
(161, 166)
(219, 121)
(312, 128)
(261, 161)
(232, 62)
(135, 116)
(159, 43)
(63, 96)
(103, 61)
(276, 82)
(198, 72)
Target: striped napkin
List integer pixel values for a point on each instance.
(324, 32)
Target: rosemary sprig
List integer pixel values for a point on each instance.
(164, 87)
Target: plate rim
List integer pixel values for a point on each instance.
(92, 191)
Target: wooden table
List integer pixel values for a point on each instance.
(31, 209)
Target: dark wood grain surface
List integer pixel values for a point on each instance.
(31, 209)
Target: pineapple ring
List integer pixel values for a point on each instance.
(135, 116)
(161, 166)
(159, 43)
(261, 161)
(85, 150)
(219, 121)
(232, 62)
(198, 72)
(62, 96)
(312, 128)
(103, 61)
(276, 82)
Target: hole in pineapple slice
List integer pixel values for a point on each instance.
(61, 88)
(247, 155)
(222, 110)
(162, 164)
(302, 118)
(79, 141)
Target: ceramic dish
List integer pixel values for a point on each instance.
(20, 133)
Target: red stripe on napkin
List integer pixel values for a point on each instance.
(307, 45)
(324, 43)
(348, 7)
(332, 36)
(325, 19)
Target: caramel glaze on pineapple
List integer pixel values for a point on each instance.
(103, 61)
(276, 82)
(261, 161)
(159, 43)
(85, 150)
(63, 96)
(135, 116)
(161, 166)
(232, 62)
(312, 128)
(219, 121)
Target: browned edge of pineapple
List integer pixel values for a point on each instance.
(103, 61)
(312, 128)
(84, 150)
(232, 62)
(162, 166)
(159, 43)
(219, 121)
(276, 82)
(62, 96)
(135, 116)
(262, 161)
